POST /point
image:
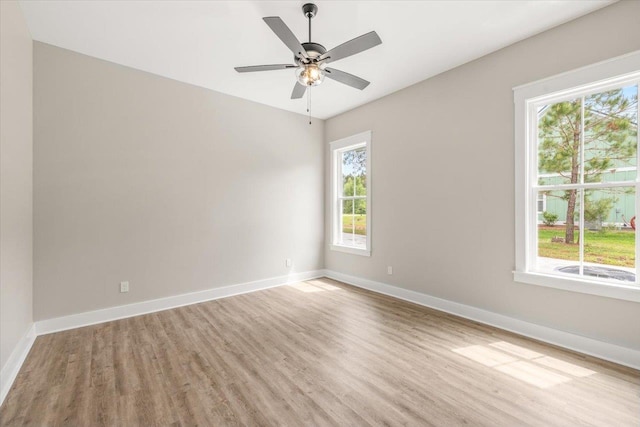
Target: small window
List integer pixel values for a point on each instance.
(576, 180)
(542, 202)
(351, 194)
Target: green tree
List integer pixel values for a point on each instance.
(608, 134)
(357, 159)
(360, 190)
(598, 210)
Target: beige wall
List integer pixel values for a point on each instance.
(16, 183)
(443, 149)
(177, 189)
(172, 187)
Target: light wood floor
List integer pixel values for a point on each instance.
(317, 353)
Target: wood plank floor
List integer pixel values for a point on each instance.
(316, 353)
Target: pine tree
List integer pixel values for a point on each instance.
(610, 133)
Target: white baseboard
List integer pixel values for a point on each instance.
(123, 311)
(14, 363)
(614, 353)
(12, 367)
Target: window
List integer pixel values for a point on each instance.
(576, 180)
(351, 194)
(542, 202)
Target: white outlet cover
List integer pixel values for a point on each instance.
(124, 286)
(389, 270)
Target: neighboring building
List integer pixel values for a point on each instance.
(621, 212)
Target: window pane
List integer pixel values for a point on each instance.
(609, 239)
(347, 238)
(347, 223)
(610, 135)
(347, 184)
(558, 237)
(354, 223)
(347, 207)
(354, 172)
(360, 224)
(361, 185)
(360, 207)
(559, 127)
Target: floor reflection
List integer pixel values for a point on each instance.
(313, 286)
(523, 364)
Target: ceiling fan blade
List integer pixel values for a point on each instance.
(357, 45)
(346, 78)
(264, 68)
(298, 91)
(278, 26)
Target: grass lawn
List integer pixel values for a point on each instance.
(361, 224)
(610, 247)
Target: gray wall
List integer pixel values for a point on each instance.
(453, 236)
(16, 183)
(172, 187)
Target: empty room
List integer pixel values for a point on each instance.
(339, 213)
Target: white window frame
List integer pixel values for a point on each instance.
(598, 77)
(336, 149)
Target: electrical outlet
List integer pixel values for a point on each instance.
(389, 270)
(287, 262)
(124, 287)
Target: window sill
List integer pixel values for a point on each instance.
(592, 287)
(350, 250)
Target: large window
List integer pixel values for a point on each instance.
(351, 194)
(576, 174)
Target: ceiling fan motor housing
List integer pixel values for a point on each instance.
(313, 51)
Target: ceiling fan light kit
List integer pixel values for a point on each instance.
(310, 75)
(311, 58)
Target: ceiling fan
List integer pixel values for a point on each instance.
(311, 58)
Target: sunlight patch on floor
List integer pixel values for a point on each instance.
(566, 367)
(523, 364)
(523, 353)
(533, 374)
(305, 287)
(313, 286)
(485, 355)
(323, 285)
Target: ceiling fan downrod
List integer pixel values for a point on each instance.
(310, 10)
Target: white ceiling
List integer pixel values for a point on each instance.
(199, 42)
